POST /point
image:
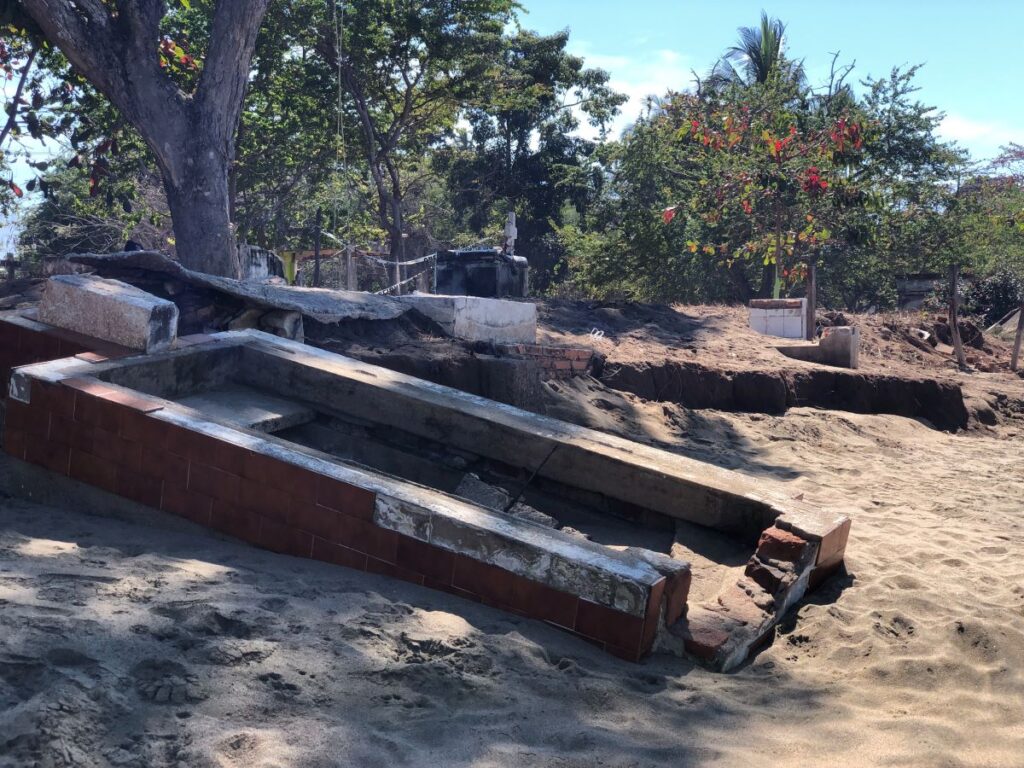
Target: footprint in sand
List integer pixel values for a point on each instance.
(279, 685)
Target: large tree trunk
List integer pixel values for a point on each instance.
(114, 45)
(199, 204)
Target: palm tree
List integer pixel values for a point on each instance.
(759, 55)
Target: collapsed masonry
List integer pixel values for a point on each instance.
(317, 455)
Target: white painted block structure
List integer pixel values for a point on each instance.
(786, 318)
(479, 319)
(109, 310)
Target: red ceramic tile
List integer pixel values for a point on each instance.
(269, 502)
(15, 442)
(54, 398)
(91, 357)
(653, 617)
(50, 455)
(349, 499)
(140, 428)
(229, 519)
(373, 565)
(94, 471)
(494, 585)
(97, 412)
(213, 482)
(320, 521)
(367, 537)
(217, 453)
(140, 488)
(610, 626)
(338, 555)
(298, 483)
(66, 430)
(545, 603)
(451, 590)
(33, 421)
(435, 563)
(109, 446)
(168, 467)
(192, 506)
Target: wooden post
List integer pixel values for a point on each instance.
(812, 301)
(350, 272)
(1015, 359)
(954, 314)
(316, 246)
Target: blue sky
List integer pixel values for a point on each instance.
(973, 68)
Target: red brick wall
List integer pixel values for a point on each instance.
(105, 437)
(555, 362)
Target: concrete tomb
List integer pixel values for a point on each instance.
(316, 455)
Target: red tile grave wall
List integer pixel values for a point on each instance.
(105, 437)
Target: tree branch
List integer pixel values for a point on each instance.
(12, 118)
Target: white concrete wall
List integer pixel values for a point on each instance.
(784, 323)
(478, 319)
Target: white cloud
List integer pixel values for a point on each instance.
(982, 138)
(647, 73)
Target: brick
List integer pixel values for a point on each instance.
(451, 590)
(298, 483)
(267, 501)
(234, 521)
(93, 470)
(285, 540)
(610, 626)
(15, 442)
(494, 585)
(213, 482)
(366, 537)
(140, 488)
(191, 506)
(67, 430)
(778, 544)
(179, 441)
(217, 453)
(539, 601)
(50, 455)
(317, 520)
(53, 398)
(704, 633)
(170, 468)
(33, 421)
(653, 615)
(140, 428)
(381, 568)
(677, 592)
(433, 562)
(348, 499)
(330, 552)
(97, 412)
(109, 446)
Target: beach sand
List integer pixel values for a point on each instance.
(150, 643)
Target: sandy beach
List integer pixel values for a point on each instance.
(148, 643)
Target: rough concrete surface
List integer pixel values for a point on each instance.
(109, 310)
(479, 319)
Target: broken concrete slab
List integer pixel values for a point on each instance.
(109, 310)
(249, 408)
(478, 319)
(320, 304)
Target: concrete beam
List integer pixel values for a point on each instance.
(109, 310)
